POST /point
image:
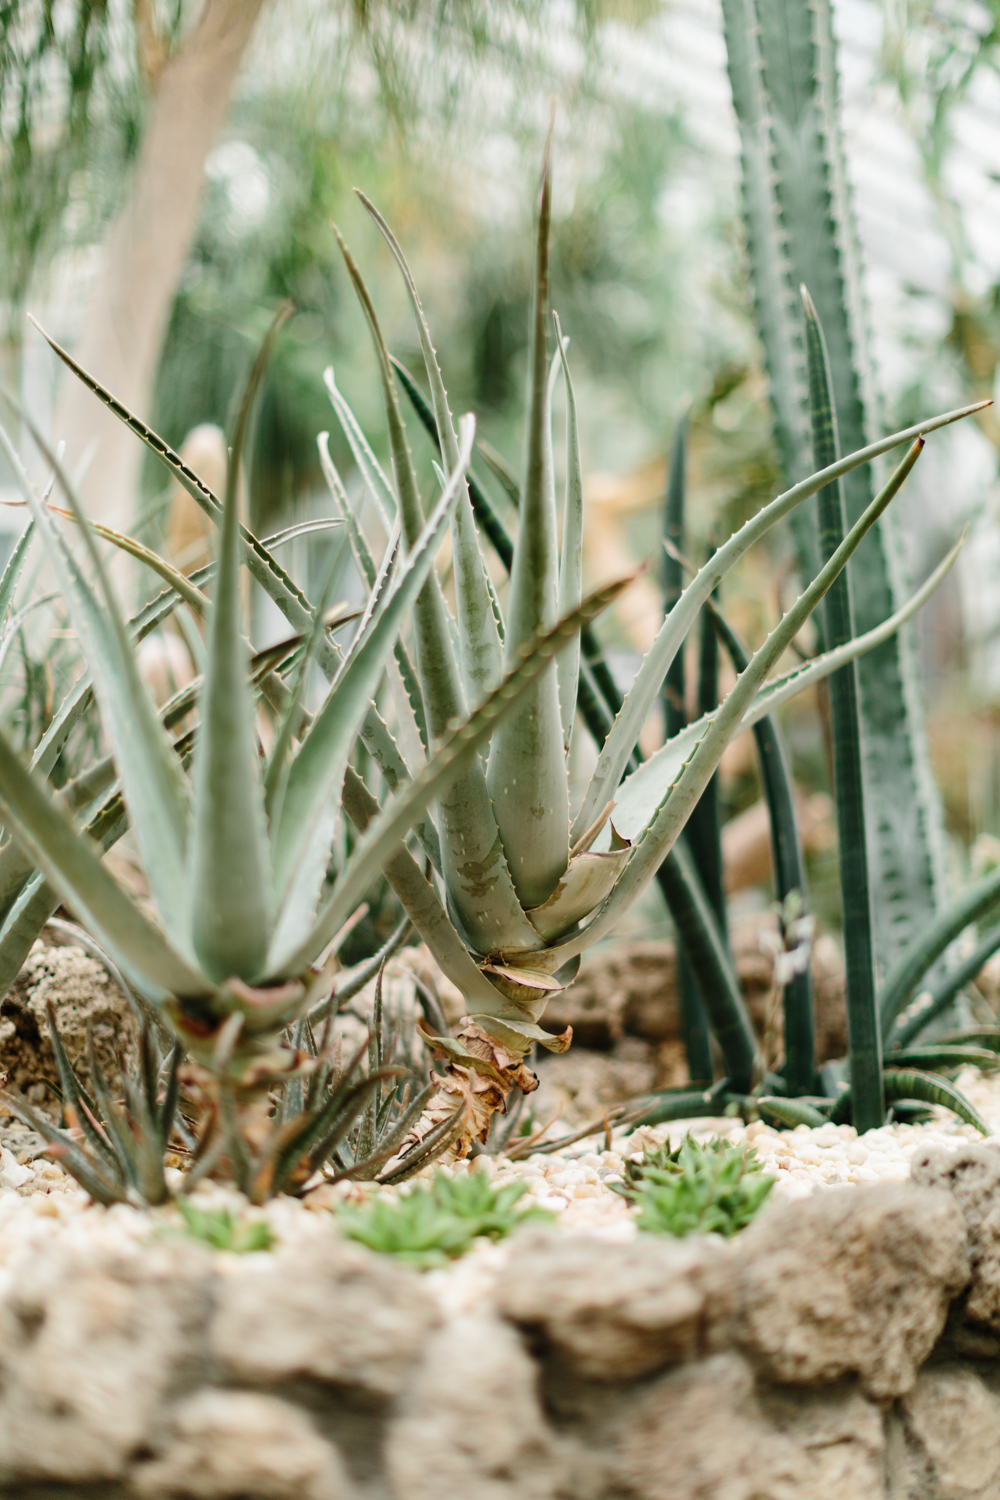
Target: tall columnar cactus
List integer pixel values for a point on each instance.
(782, 66)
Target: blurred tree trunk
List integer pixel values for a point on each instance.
(129, 306)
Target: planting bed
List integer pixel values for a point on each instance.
(846, 1345)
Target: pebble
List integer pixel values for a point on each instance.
(39, 1202)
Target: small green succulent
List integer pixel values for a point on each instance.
(220, 1229)
(437, 1221)
(700, 1187)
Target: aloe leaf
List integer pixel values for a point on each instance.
(77, 873)
(421, 903)
(12, 572)
(644, 788)
(102, 1187)
(472, 854)
(151, 776)
(928, 1007)
(789, 871)
(478, 634)
(903, 978)
(370, 469)
(526, 772)
(911, 1083)
(177, 580)
(864, 1036)
(317, 772)
(231, 915)
(643, 692)
(456, 749)
(408, 680)
(571, 556)
(718, 729)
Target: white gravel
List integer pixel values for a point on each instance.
(39, 1202)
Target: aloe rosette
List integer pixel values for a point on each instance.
(530, 883)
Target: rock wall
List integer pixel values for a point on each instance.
(845, 1347)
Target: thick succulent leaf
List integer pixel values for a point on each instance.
(12, 572)
(479, 638)
(589, 878)
(70, 863)
(404, 682)
(229, 854)
(571, 557)
(460, 745)
(273, 579)
(421, 903)
(526, 773)
(720, 727)
(648, 680)
(641, 792)
(154, 787)
(476, 872)
(518, 1036)
(178, 581)
(317, 773)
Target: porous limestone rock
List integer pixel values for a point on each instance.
(225, 1445)
(850, 1281)
(972, 1175)
(702, 1433)
(470, 1423)
(92, 1348)
(953, 1420)
(613, 1312)
(327, 1309)
(82, 994)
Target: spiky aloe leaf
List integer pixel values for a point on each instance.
(456, 749)
(263, 567)
(526, 772)
(72, 866)
(571, 557)
(789, 871)
(12, 572)
(408, 682)
(301, 840)
(641, 696)
(644, 788)
(477, 626)
(673, 812)
(231, 914)
(476, 872)
(864, 1036)
(151, 776)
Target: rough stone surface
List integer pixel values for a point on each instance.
(329, 1310)
(701, 1433)
(225, 1445)
(953, 1422)
(92, 1347)
(614, 1312)
(855, 1280)
(470, 1422)
(81, 991)
(972, 1176)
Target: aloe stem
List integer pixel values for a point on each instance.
(864, 1033)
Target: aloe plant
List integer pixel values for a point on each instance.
(236, 854)
(530, 883)
(800, 229)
